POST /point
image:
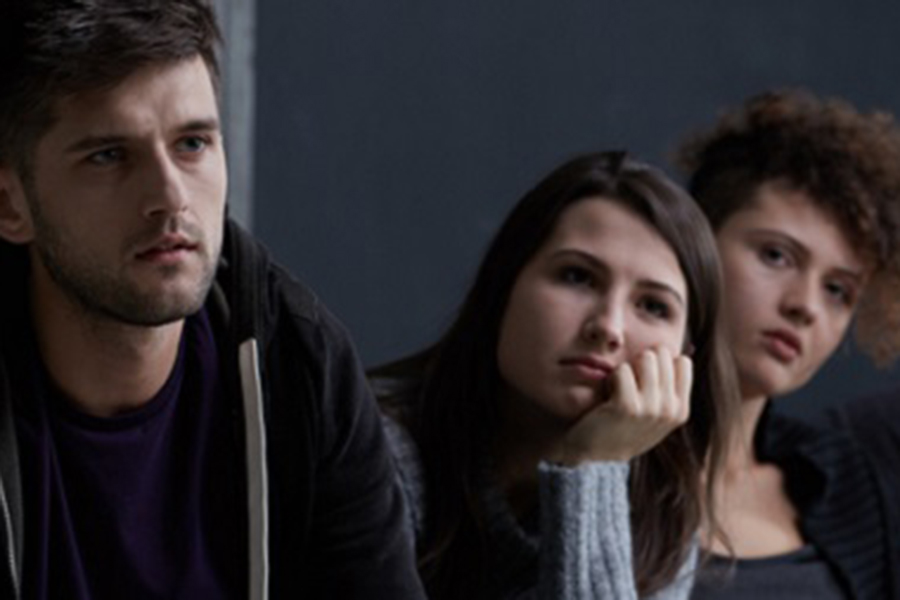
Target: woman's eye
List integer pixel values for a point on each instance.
(774, 256)
(655, 307)
(576, 276)
(840, 293)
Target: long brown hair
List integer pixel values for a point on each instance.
(447, 394)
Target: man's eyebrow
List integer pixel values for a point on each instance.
(211, 124)
(93, 142)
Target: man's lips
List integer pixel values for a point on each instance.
(783, 344)
(589, 367)
(166, 246)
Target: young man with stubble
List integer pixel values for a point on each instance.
(179, 418)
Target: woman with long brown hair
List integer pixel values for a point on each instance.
(551, 442)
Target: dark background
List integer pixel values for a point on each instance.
(393, 136)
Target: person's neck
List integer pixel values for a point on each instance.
(102, 366)
(755, 517)
(741, 449)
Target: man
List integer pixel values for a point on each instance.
(178, 417)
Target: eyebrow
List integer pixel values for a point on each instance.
(800, 248)
(93, 142)
(654, 284)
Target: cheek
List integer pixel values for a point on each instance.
(829, 339)
(521, 333)
(540, 322)
(209, 190)
(516, 355)
(646, 337)
(217, 184)
(746, 295)
(508, 342)
(741, 282)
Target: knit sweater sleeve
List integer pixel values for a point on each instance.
(409, 472)
(586, 549)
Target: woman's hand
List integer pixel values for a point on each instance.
(645, 403)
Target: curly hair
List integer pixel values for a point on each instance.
(846, 161)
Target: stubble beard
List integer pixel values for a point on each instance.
(102, 294)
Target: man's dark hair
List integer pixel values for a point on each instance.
(51, 49)
(846, 161)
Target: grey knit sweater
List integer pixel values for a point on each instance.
(577, 547)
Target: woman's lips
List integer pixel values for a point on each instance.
(782, 344)
(588, 367)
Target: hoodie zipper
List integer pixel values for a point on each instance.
(10, 548)
(257, 474)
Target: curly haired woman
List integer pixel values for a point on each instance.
(803, 196)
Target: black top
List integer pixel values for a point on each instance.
(799, 575)
(337, 524)
(842, 506)
(874, 424)
(144, 504)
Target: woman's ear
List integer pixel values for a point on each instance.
(16, 225)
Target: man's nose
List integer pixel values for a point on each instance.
(165, 191)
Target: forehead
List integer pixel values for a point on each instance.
(607, 229)
(602, 220)
(151, 98)
(782, 210)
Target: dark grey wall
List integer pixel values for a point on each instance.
(392, 137)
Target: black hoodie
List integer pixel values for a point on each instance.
(325, 516)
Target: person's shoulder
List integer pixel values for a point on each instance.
(401, 443)
(410, 470)
(264, 292)
(873, 419)
(884, 403)
(782, 433)
(873, 423)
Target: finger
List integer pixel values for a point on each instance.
(669, 403)
(666, 373)
(684, 381)
(625, 397)
(648, 383)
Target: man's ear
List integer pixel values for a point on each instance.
(16, 225)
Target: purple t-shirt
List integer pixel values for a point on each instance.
(145, 505)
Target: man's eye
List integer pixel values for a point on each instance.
(193, 144)
(107, 157)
